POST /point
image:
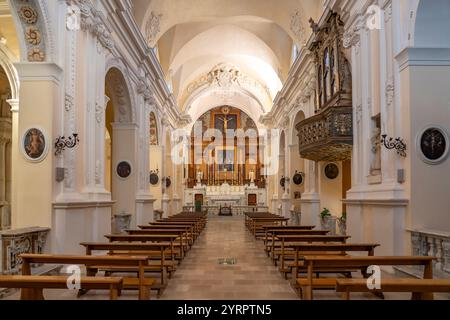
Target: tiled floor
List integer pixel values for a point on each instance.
(201, 277)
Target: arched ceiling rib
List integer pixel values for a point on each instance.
(253, 38)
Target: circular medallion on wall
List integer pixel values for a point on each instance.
(298, 178)
(168, 182)
(34, 145)
(433, 144)
(331, 171)
(283, 182)
(124, 169)
(154, 179)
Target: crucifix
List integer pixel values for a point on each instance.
(225, 120)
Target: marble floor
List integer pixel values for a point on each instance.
(201, 277)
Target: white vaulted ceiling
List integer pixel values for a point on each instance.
(225, 51)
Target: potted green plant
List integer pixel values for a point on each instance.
(327, 221)
(342, 223)
(325, 217)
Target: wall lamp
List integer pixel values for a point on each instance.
(62, 143)
(394, 144)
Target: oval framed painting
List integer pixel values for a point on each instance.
(283, 182)
(35, 144)
(433, 144)
(298, 178)
(124, 169)
(154, 179)
(168, 182)
(331, 171)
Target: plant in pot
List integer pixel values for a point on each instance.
(342, 223)
(325, 216)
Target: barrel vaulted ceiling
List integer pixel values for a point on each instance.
(235, 52)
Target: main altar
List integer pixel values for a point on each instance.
(214, 198)
(227, 172)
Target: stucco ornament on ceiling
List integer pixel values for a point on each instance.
(152, 28)
(297, 27)
(227, 75)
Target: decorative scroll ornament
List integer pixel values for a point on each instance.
(225, 76)
(394, 144)
(297, 26)
(62, 143)
(152, 28)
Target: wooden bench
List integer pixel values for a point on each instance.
(256, 225)
(192, 236)
(183, 236)
(420, 288)
(141, 283)
(271, 236)
(194, 225)
(175, 249)
(292, 239)
(326, 249)
(35, 285)
(361, 263)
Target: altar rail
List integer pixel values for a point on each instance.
(15, 242)
(237, 210)
(435, 244)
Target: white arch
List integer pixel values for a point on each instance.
(297, 112)
(118, 65)
(432, 24)
(6, 62)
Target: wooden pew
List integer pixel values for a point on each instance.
(194, 225)
(150, 250)
(183, 236)
(171, 238)
(335, 249)
(35, 285)
(362, 263)
(187, 228)
(256, 224)
(291, 239)
(271, 236)
(141, 283)
(420, 288)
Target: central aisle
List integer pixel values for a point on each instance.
(200, 276)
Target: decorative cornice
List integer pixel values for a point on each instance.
(83, 204)
(93, 20)
(377, 202)
(225, 76)
(352, 35)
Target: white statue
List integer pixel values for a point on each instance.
(252, 176)
(199, 177)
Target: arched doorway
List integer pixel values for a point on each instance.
(120, 145)
(5, 151)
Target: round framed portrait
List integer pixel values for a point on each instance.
(124, 169)
(154, 179)
(433, 144)
(298, 179)
(282, 182)
(331, 171)
(168, 182)
(35, 144)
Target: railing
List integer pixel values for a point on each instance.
(327, 136)
(434, 244)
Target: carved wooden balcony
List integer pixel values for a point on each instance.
(327, 136)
